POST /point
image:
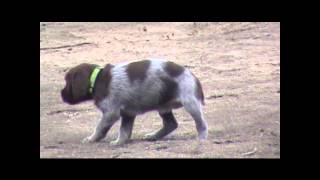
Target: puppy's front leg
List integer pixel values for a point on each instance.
(108, 119)
(125, 129)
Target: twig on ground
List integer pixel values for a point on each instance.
(116, 155)
(214, 96)
(250, 152)
(67, 110)
(66, 46)
(189, 66)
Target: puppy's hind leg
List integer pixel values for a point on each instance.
(108, 119)
(125, 129)
(169, 124)
(193, 107)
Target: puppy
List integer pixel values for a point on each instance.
(129, 89)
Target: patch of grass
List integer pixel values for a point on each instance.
(216, 131)
(49, 96)
(188, 133)
(160, 147)
(138, 135)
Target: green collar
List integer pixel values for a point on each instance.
(93, 78)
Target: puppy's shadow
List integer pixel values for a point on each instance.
(165, 139)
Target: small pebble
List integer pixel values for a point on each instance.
(144, 29)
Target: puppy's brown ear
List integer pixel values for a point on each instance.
(80, 85)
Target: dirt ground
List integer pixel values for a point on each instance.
(238, 65)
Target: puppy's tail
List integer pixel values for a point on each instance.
(199, 91)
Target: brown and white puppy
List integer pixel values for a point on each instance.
(129, 89)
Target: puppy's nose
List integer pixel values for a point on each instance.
(62, 93)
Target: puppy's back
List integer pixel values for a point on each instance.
(151, 84)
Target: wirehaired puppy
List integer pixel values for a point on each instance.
(129, 89)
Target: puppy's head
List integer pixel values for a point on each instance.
(77, 85)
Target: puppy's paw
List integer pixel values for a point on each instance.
(150, 136)
(203, 135)
(87, 140)
(117, 142)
